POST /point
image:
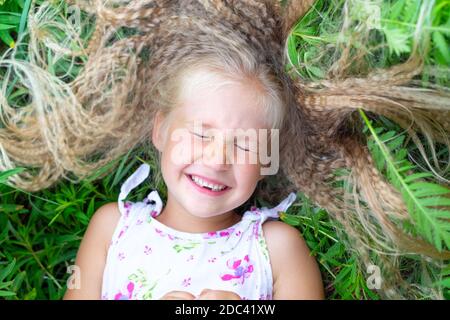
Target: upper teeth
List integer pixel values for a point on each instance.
(200, 182)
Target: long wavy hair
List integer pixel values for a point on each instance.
(79, 125)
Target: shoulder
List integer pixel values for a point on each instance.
(279, 228)
(295, 272)
(104, 221)
(92, 253)
(281, 237)
(107, 216)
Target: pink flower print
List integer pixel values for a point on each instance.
(147, 250)
(210, 235)
(186, 282)
(227, 232)
(127, 296)
(121, 256)
(163, 234)
(127, 206)
(123, 231)
(215, 234)
(238, 233)
(242, 270)
(255, 232)
(224, 233)
(153, 213)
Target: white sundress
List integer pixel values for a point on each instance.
(147, 259)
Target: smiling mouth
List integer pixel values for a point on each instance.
(206, 185)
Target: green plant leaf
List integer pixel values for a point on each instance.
(7, 39)
(442, 46)
(422, 198)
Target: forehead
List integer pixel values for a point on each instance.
(232, 105)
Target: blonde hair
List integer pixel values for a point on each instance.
(214, 70)
(82, 125)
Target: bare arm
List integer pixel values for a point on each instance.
(91, 256)
(296, 275)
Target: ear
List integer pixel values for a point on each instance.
(157, 134)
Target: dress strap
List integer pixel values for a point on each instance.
(274, 213)
(132, 182)
(154, 200)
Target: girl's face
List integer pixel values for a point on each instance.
(203, 135)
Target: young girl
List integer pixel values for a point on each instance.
(221, 63)
(196, 241)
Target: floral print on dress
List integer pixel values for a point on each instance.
(218, 234)
(187, 246)
(143, 285)
(147, 250)
(186, 282)
(127, 205)
(164, 234)
(127, 295)
(255, 232)
(241, 269)
(121, 233)
(263, 245)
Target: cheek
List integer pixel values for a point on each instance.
(167, 167)
(248, 175)
(179, 150)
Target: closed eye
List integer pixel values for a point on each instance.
(244, 144)
(199, 135)
(242, 148)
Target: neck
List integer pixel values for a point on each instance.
(176, 217)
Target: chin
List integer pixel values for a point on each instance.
(205, 213)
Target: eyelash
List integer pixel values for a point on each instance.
(200, 136)
(203, 137)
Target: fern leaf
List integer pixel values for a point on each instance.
(416, 176)
(426, 202)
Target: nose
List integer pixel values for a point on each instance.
(215, 154)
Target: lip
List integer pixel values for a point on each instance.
(206, 191)
(208, 180)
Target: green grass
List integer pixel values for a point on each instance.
(40, 232)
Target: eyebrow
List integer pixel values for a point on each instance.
(190, 123)
(206, 125)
